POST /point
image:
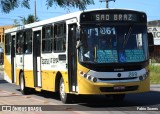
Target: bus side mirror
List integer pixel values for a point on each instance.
(150, 42)
(77, 34)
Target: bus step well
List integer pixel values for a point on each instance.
(38, 89)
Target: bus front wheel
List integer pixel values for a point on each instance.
(65, 97)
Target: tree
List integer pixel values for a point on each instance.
(30, 19)
(24, 21)
(81, 4)
(8, 5)
(15, 23)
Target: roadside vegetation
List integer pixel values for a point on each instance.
(154, 72)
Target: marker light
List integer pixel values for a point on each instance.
(94, 79)
(85, 75)
(89, 77)
(141, 78)
(81, 72)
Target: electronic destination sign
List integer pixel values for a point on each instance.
(112, 16)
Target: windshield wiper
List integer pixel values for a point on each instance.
(127, 36)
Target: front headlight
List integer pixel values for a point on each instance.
(88, 77)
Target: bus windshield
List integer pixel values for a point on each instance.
(113, 44)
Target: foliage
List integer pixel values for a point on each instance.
(153, 60)
(154, 73)
(30, 19)
(81, 4)
(8, 5)
(15, 23)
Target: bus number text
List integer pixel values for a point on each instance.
(132, 74)
(108, 30)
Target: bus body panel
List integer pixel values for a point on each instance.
(28, 70)
(48, 78)
(7, 68)
(19, 62)
(28, 75)
(85, 86)
(50, 67)
(24, 64)
(19, 67)
(17, 75)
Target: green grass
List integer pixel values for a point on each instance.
(154, 74)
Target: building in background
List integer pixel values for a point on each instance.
(2, 29)
(154, 28)
(2, 37)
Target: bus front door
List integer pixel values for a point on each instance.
(13, 75)
(72, 58)
(37, 58)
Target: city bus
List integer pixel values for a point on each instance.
(93, 52)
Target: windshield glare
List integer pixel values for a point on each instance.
(113, 44)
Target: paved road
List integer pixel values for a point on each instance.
(10, 95)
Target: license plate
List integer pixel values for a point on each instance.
(119, 88)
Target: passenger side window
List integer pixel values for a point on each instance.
(7, 44)
(60, 37)
(19, 43)
(47, 38)
(28, 42)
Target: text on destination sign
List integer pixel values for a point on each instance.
(115, 17)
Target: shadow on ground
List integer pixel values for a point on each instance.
(100, 102)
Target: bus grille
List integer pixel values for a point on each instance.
(111, 89)
(113, 79)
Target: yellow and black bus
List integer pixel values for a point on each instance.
(96, 52)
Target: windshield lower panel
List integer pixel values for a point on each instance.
(113, 44)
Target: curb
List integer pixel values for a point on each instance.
(155, 86)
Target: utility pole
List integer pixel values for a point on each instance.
(3, 35)
(107, 2)
(35, 14)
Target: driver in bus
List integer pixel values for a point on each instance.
(92, 41)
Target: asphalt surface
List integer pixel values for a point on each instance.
(146, 103)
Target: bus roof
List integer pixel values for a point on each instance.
(47, 21)
(59, 19)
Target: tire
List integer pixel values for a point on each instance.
(118, 97)
(65, 97)
(23, 88)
